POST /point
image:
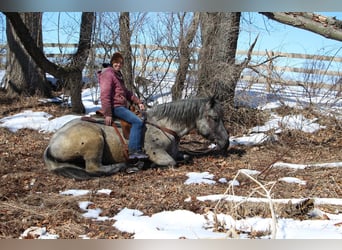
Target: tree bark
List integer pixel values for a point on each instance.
(325, 26)
(126, 49)
(184, 56)
(75, 77)
(23, 76)
(71, 74)
(218, 73)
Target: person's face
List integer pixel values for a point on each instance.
(117, 65)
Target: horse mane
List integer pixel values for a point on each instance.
(184, 111)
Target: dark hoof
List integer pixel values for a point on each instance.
(111, 169)
(184, 158)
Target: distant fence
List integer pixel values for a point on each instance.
(267, 66)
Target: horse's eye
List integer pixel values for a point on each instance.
(215, 118)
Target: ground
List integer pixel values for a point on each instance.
(30, 194)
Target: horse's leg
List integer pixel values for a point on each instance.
(82, 174)
(92, 151)
(160, 157)
(93, 159)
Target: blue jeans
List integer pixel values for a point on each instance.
(135, 136)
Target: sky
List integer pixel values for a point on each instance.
(280, 37)
(272, 35)
(187, 224)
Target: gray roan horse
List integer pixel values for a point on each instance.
(82, 149)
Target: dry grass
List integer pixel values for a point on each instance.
(30, 195)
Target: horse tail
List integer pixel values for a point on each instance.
(65, 169)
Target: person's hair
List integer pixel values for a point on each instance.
(117, 57)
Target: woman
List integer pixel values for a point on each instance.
(114, 100)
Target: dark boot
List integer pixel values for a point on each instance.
(137, 155)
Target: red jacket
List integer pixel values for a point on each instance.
(113, 92)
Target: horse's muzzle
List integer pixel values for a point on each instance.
(222, 146)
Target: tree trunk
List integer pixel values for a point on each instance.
(184, 56)
(126, 49)
(74, 79)
(23, 76)
(74, 83)
(218, 73)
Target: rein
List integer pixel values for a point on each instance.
(169, 131)
(198, 152)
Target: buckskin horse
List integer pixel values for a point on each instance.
(82, 149)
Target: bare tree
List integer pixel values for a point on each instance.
(185, 39)
(126, 49)
(218, 74)
(71, 74)
(117, 31)
(152, 64)
(23, 76)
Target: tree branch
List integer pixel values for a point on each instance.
(37, 54)
(30, 45)
(325, 26)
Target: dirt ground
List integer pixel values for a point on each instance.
(30, 194)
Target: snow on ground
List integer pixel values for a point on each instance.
(186, 224)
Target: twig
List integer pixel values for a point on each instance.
(267, 60)
(272, 163)
(268, 195)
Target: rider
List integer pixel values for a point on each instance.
(114, 100)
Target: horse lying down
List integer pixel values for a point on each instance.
(82, 149)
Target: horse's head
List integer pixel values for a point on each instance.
(204, 114)
(210, 124)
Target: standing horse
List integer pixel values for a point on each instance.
(82, 149)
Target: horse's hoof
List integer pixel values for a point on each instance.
(111, 169)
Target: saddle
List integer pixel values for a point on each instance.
(125, 126)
